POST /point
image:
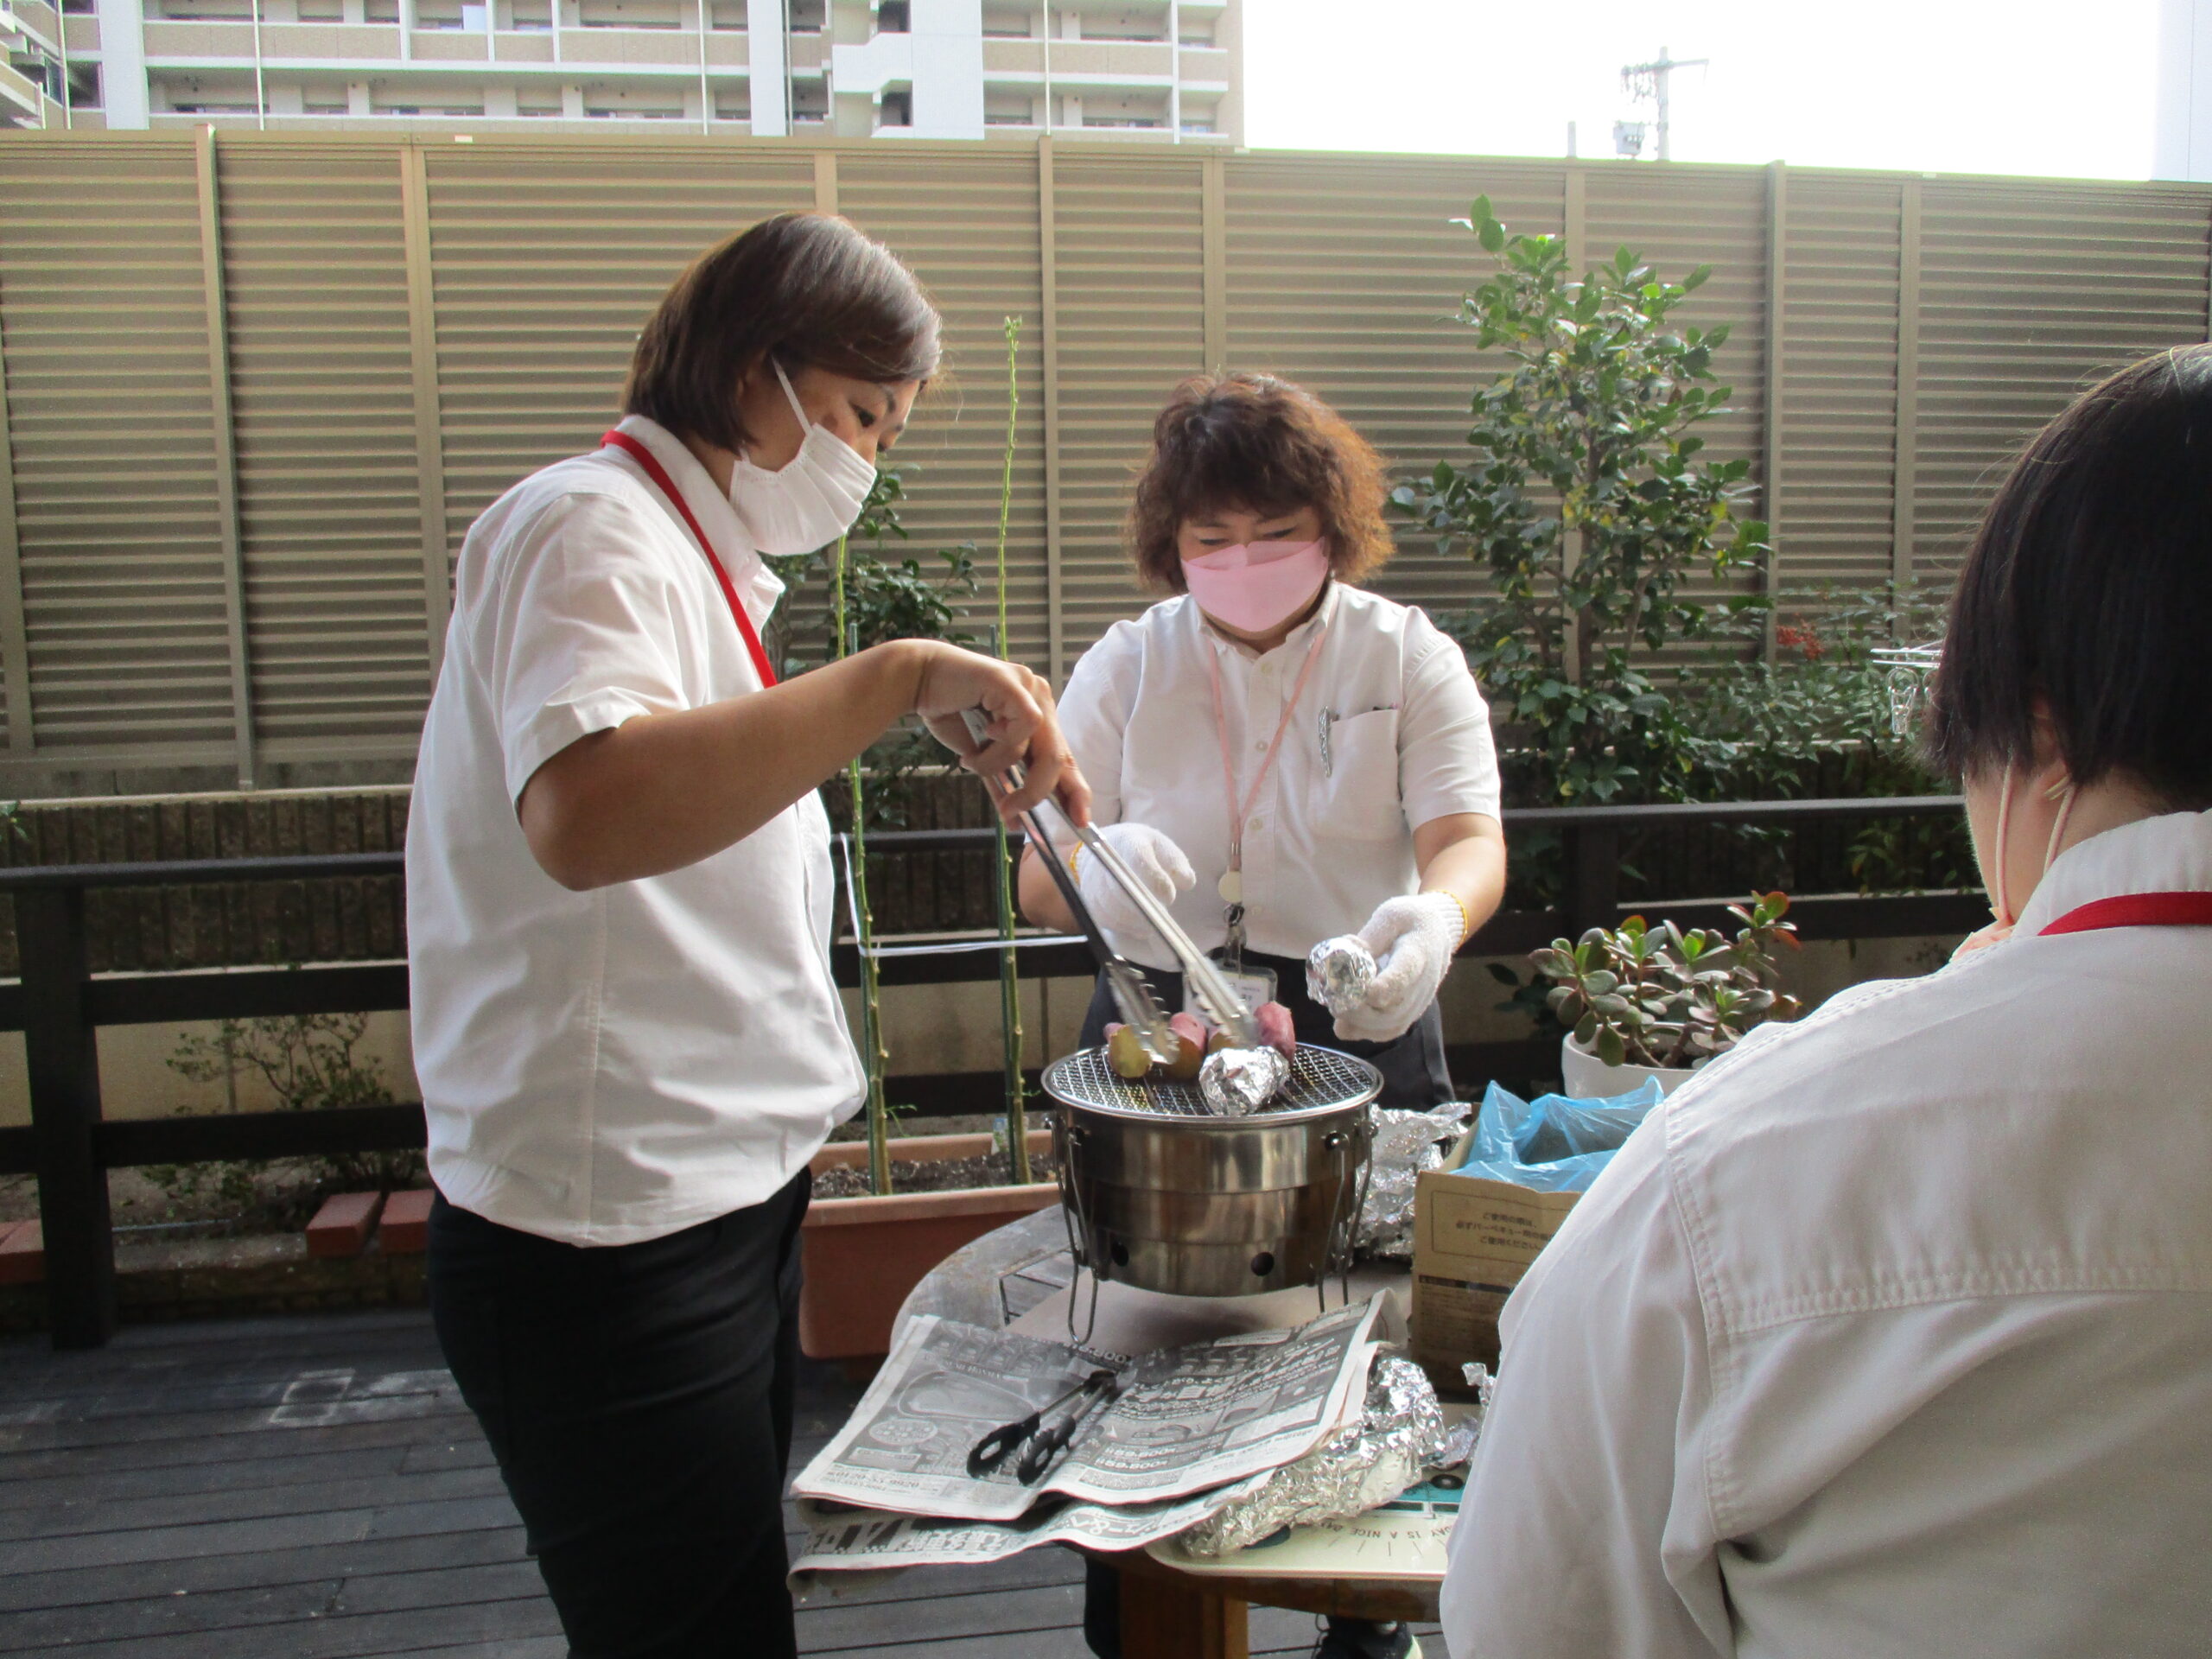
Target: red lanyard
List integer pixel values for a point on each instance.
(655, 471)
(1232, 884)
(2136, 909)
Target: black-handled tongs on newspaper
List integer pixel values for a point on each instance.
(1133, 995)
(1037, 1443)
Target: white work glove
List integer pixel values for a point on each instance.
(1157, 862)
(1414, 941)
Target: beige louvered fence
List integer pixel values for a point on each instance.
(257, 384)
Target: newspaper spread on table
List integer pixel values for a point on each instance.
(842, 1538)
(1188, 1420)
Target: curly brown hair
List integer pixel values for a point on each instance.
(1252, 441)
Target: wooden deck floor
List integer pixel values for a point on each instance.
(313, 1487)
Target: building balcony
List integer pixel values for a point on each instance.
(1144, 61)
(340, 46)
(32, 21)
(21, 102)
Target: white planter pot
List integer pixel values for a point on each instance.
(1588, 1077)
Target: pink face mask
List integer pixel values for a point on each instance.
(1257, 585)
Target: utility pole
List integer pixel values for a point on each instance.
(1643, 80)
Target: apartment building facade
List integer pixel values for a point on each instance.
(1157, 71)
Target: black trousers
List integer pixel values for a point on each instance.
(638, 1400)
(1414, 1077)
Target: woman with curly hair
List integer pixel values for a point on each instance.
(1282, 755)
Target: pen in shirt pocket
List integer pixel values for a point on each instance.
(1328, 765)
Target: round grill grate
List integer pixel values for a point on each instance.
(1319, 1078)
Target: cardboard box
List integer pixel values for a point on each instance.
(1472, 1241)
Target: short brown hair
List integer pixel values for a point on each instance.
(806, 289)
(2089, 589)
(1251, 440)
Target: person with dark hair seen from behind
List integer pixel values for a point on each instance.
(1889, 1332)
(1285, 758)
(618, 887)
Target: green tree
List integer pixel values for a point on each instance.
(1589, 506)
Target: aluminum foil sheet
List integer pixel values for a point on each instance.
(1458, 1448)
(1239, 1082)
(1338, 972)
(1364, 1462)
(1406, 1143)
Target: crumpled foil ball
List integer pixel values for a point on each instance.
(1366, 1462)
(1239, 1082)
(1338, 972)
(1406, 1143)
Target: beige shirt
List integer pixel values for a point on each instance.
(1890, 1332)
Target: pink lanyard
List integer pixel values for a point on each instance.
(645, 458)
(2136, 909)
(1231, 886)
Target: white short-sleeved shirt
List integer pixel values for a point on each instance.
(607, 1066)
(1889, 1333)
(1330, 835)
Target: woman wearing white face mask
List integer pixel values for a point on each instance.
(1283, 756)
(618, 902)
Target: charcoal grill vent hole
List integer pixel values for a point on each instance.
(1263, 1264)
(1120, 1253)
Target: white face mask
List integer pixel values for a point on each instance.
(812, 499)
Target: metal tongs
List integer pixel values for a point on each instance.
(1133, 993)
(1039, 1445)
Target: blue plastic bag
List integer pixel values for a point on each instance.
(1554, 1143)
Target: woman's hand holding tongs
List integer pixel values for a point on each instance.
(1021, 730)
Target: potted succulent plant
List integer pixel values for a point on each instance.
(1642, 1001)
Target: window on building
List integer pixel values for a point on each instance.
(537, 101)
(1195, 31)
(728, 15)
(898, 109)
(204, 11)
(84, 85)
(634, 104)
(808, 17)
(1124, 26)
(732, 104)
(1008, 109)
(1200, 124)
(894, 17)
(533, 15)
(320, 97)
(628, 14)
(809, 100)
(1008, 24)
(80, 8)
(380, 11)
(321, 11)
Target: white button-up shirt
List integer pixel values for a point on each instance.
(606, 1066)
(1331, 833)
(1891, 1331)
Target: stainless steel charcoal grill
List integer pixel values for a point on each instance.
(1162, 1193)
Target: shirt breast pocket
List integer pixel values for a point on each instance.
(1359, 780)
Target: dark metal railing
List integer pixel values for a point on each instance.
(59, 1004)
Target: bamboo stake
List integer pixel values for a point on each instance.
(873, 1053)
(1017, 1103)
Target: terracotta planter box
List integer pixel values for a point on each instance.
(863, 1256)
